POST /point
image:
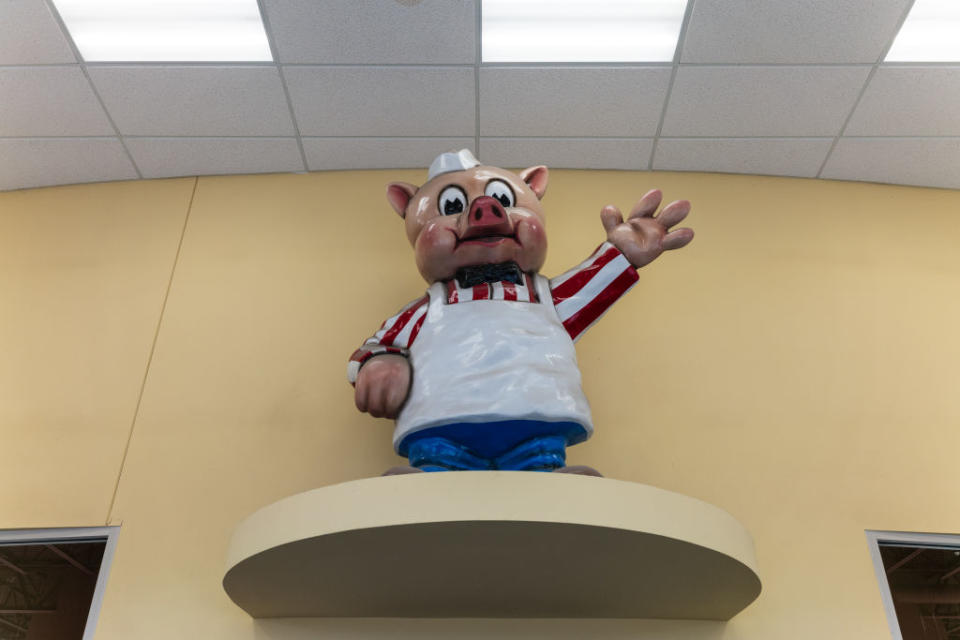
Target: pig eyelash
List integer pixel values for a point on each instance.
(453, 200)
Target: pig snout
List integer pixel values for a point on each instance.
(486, 217)
(486, 211)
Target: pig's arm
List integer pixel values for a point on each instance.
(584, 293)
(380, 369)
(644, 236)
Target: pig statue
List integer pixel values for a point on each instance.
(481, 372)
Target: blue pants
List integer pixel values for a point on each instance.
(541, 453)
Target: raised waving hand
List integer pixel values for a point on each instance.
(646, 234)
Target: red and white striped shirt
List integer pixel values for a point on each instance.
(584, 293)
(581, 296)
(524, 292)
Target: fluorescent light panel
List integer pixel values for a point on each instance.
(166, 30)
(581, 30)
(931, 33)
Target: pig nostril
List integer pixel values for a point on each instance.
(476, 215)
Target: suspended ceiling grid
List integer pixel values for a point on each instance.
(791, 88)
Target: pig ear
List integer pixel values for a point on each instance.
(399, 195)
(536, 179)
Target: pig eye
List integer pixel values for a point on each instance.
(501, 191)
(452, 201)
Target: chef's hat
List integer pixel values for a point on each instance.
(452, 161)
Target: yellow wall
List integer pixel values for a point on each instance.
(796, 366)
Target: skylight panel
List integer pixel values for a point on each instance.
(166, 30)
(929, 34)
(580, 30)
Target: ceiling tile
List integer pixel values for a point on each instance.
(567, 101)
(791, 31)
(800, 157)
(909, 101)
(568, 153)
(373, 31)
(194, 100)
(30, 35)
(41, 162)
(325, 154)
(49, 101)
(762, 101)
(383, 101)
(930, 162)
(167, 157)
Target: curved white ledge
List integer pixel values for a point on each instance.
(491, 544)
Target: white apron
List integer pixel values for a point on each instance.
(492, 360)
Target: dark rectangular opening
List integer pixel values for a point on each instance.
(47, 587)
(924, 585)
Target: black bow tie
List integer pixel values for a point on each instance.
(483, 273)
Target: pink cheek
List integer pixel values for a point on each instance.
(434, 242)
(532, 235)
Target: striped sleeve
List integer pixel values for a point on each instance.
(584, 293)
(395, 335)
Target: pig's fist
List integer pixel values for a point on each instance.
(382, 385)
(643, 237)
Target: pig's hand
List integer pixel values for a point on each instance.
(382, 385)
(643, 237)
